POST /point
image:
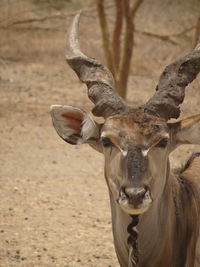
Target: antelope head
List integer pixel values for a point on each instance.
(136, 142)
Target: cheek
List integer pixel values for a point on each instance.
(157, 162)
(157, 169)
(112, 162)
(113, 172)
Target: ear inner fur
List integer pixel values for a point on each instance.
(74, 120)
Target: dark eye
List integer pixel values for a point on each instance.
(106, 142)
(162, 143)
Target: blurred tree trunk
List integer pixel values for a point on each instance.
(105, 34)
(119, 52)
(116, 40)
(196, 33)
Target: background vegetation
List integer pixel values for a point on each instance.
(123, 25)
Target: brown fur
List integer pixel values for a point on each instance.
(187, 203)
(168, 228)
(179, 207)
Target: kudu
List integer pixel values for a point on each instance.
(155, 212)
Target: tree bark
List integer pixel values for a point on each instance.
(116, 40)
(129, 14)
(197, 33)
(105, 35)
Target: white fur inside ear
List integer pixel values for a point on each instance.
(89, 128)
(68, 122)
(73, 124)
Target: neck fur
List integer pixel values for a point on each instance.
(158, 229)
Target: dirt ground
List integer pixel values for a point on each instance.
(54, 201)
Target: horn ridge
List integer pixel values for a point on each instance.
(97, 77)
(170, 91)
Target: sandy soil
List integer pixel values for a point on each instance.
(54, 201)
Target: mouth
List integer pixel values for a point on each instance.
(133, 206)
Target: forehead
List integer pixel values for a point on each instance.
(138, 127)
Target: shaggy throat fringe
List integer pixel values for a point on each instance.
(133, 242)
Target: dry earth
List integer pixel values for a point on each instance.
(54, 201)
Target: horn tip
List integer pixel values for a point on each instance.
(72, 36)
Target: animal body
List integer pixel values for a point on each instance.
(155, 212)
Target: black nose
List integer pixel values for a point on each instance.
(134, 194)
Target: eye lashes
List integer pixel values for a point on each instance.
(106, 142)
(162, 143)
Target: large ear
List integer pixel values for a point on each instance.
(186, 131)
(74, 125)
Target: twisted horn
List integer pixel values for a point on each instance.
(170, 91)
(99, 80)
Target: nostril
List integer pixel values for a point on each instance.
(122, 194)
(135, 192)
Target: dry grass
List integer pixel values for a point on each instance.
(37, 38)
(31, 30)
